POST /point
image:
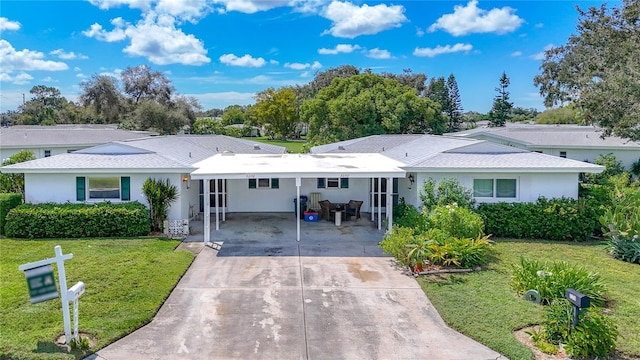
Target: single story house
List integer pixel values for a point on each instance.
(219, 174)
(582, 143)
(45, 141)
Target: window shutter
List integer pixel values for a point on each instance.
(321, 184)
(395, 185)
(275, 183)
(252, 183)
(81, 189)
(125, 188)
(344, 183)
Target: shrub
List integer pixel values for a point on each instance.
(395, 243)
(461, 252)
(160, 194)
(406, 215)
(612, 167)
(625, 250)
(7, 202)
(456, 221)
(448, 191)
(555, 219)
(552, 280)
(78, 220)
(594, 336)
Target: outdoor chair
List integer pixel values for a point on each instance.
(353, 208)
(325, 209)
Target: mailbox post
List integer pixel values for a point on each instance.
(579, 301)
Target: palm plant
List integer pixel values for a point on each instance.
(160, 194)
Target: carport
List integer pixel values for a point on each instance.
(230, 166)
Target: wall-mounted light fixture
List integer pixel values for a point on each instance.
(185, 179)
(411, 180)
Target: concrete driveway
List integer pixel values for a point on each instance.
(288, 300)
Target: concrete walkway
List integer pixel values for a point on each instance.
(280, 299)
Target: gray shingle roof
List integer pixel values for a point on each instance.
(551, 135)
(89, 162)
(64, 135)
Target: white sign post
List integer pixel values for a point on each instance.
(62, 278)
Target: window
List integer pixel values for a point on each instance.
(333, 183)
(264, 183)
(563, 154)
(103, 188)
(498, 188)
(482, 187)
(47, 153)
(394, 192)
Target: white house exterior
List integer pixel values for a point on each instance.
(495, 173)
(225, 174)
(582, 143)
(45, 141)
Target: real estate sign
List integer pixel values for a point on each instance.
(42, 285)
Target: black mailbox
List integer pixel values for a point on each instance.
(577, 298)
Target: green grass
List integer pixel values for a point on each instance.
(294, 147)
(126, 282)
(483, 306)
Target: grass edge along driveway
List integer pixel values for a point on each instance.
(126, 280)
(483, 306)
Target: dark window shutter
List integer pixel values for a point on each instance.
(344, 183)
(252, 183)
(321, 183)
(81, 189)
(395, 185)
(275, 183)
(125, 188)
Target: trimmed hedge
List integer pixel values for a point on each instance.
(7, 202)
(555, 219)
(68, 220)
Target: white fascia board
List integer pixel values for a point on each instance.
(293, 175)
(96, 171)
(542, 170)
(587, 147)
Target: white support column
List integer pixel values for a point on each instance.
(379, 203)
(299, 208)
(372, 197)
(224, 199)
(389, 204)
(215, 191)
(207, 210)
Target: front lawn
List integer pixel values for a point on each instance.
(126, 282)
(483, 306)
(293, 147)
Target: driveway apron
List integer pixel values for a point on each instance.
(261, 301)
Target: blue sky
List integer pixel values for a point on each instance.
(224, 51)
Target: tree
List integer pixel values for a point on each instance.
(276, 111)
(438, 92)
(454, 110)
(10, 182)
(501, 109)
(408, 78)
(43, 108)
(233, 115)
(160, 194)
(598, 69)
(47, 96)
(152, 115)
(102, 94)
(368, 104)
(141, 83)
(323, 79)
(563, 115)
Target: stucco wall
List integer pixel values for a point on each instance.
(61, 188)
(628, 157)
(529, 186)
(37, 152)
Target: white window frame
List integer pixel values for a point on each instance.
(102, 198)
(494, 182)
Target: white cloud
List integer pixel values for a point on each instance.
(439, 50)
(6, 24)
(379, 54)
(76, 69)
(49, 79)
(516, 53)
(340, 48)
(274, 62)
(134, 4)
(299, 66)
(67, 55)
(26, 60)
(539, 25)
(244, 61)
(540, 55)
(470, 19)
(305, 74)
(21, 78)
(350, 21)
(252, 6)
(156, 38)
(81, 76)
(419, 32)
(117, 34)
(188, 10)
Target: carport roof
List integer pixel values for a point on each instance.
(243, 166)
